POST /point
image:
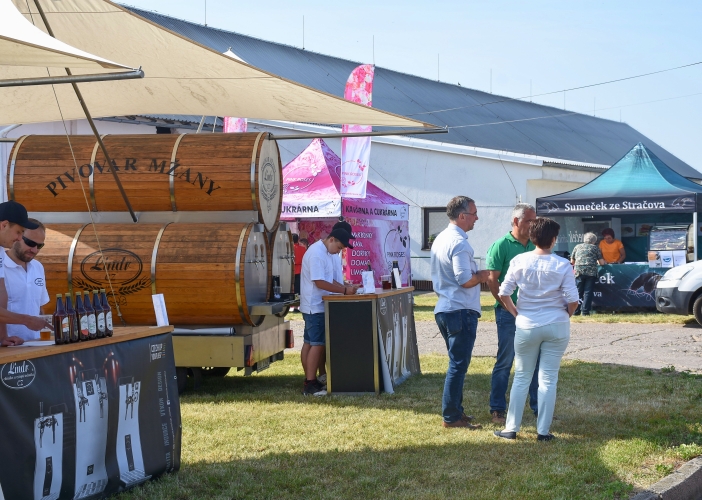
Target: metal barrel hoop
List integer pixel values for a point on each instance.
(254, 198)
(91, 178)
(15, 151)
(71, 253)
(154, 256)
(171, 177)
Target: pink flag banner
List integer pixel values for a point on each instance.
(355, 151)
(232, 125)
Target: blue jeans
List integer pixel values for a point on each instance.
(458, 329)
(548, 342)
(503, 364)
(585, 285)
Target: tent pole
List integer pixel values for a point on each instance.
(361, 134)
(110, 164)
(694, 237)
(50, 80)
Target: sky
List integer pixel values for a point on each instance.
(512, 48)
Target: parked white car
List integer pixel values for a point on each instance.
(679, 291)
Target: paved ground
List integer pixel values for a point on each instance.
(646, 346)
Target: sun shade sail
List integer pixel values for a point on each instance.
(182, 77)
(638, 183)
(23, 44)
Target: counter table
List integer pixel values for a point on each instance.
(371, 341)
(89, 419)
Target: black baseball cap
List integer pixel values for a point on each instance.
(343, 225)
(343, 236)
(16, 213)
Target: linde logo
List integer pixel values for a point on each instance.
(268, 184)
(123, 266)
(175, 169)
(18, 375)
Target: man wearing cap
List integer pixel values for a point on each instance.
(317, 279)
(13, 222)
(25, 281)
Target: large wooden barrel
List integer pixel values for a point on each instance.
(188, 172)
(209, 274)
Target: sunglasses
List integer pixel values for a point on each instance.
(32, 243)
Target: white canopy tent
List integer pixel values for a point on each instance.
(182, 77)
(23, 44)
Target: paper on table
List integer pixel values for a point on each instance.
(398, 280)
(35, 343)
(368, 282)
(160, 309)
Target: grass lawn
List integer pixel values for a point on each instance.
(619, 429)
(424, 303)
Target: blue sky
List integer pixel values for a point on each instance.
(547, 45)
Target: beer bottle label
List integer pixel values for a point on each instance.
(92, 327)
(109, 321)
(64, 325)
(101, 322)
(84, 325)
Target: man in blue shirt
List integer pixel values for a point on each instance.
(456, 280)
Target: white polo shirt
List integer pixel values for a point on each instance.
(26, 293)
(317, 264)
(2, 267)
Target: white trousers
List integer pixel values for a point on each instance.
(549, 341)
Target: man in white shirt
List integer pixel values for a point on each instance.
(24, 279)
(317, 279)
(13, 222)
(456, 281)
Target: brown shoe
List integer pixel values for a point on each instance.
(467, 418)
(462, 423)
(498, 417)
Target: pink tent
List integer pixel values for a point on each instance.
(380, 222)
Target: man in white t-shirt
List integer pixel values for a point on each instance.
(24, 279)
(13, 222)
(317, 279)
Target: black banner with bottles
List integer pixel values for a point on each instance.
(89, 422)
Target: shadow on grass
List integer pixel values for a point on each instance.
(521, 470)
(615, 424)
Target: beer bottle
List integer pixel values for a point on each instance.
(99, 315)
(92, 323)
(108, 313)
(61, 324)
(73, 335)
(82, 315)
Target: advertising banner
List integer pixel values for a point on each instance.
(397, 339)
(626, 287)
(355, 151)
(90, 422)
(616, 206)
(378, 243)
(233, 125)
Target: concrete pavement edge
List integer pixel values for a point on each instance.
(683, 484)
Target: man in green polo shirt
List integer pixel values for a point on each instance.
(499, 256)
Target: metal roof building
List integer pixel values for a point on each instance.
(556, 136)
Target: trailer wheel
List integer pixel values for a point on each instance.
(697, 309)
(215, 371)
(182, 376)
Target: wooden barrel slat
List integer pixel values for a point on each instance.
(210, 172)
(198, 281)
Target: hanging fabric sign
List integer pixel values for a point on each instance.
(355, 151)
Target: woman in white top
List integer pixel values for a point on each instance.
(547, 299)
